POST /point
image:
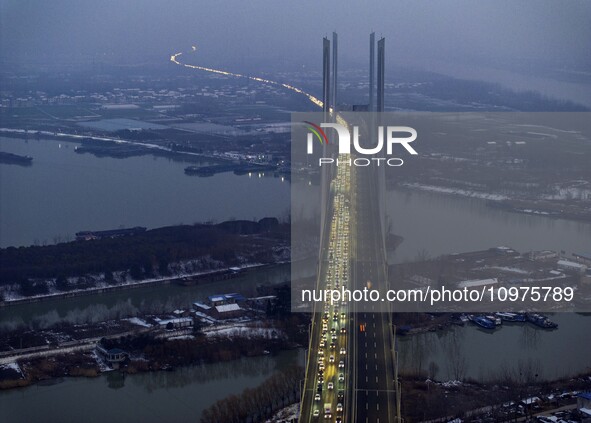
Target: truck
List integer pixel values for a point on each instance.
(327, 411)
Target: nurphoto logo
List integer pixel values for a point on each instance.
(386, 135)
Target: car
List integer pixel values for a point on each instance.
(331, 359)
(333, 337)
(341, 364)
(321, 352)
(322, 343)
(343, 351)
(316, 413)
(341, 377)
(321, 365)
(340, 396)
(339, 420)
(332, 346)
(339, 407)
(317, 397)
(320, 359)
(330, 386)
(320, 378)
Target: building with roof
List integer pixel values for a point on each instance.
(478, 283)
(176, 323)
(113, 356)
(583, 258)
(219, 299)
(226, 311)
(584, 406)
(584, 400)
(571, 266)
(543, 255)
(222, 306)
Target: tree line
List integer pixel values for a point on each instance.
(252, 405)
(142, 255)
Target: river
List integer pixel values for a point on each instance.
(147, 298)
(76, 192)
(514, 348)
(177, 396)
(442, 224)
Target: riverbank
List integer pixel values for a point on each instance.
(180, 394)
(100, 262)
(151, 350)
(560, 207)
(186, 279)
(507, 399)
(221, 328)
(177, 353)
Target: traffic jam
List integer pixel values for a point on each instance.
(331, 375)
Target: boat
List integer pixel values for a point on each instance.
(10, 158)
(541, 321)
(511, 317)
(495, 319)
(483, 322)
(464, 318)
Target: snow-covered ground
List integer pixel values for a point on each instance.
(505, 269)
(242, 330)
(181, 270)
(446, 384)
(458, 191)
(12, 366)
(286, 415)
(103, 367)
(173, 338)
(139, 322)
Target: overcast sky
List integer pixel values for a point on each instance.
(481, 33)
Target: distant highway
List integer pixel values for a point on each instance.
(176, 59)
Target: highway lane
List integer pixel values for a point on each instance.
(326, 394)
(375, 399)
(368, 388)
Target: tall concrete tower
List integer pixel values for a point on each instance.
(372, 72)
(326, 74)
(381, 70)
(381, 176)
(333, 101)
(325, 176)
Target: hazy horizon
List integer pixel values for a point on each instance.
(488, 40)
